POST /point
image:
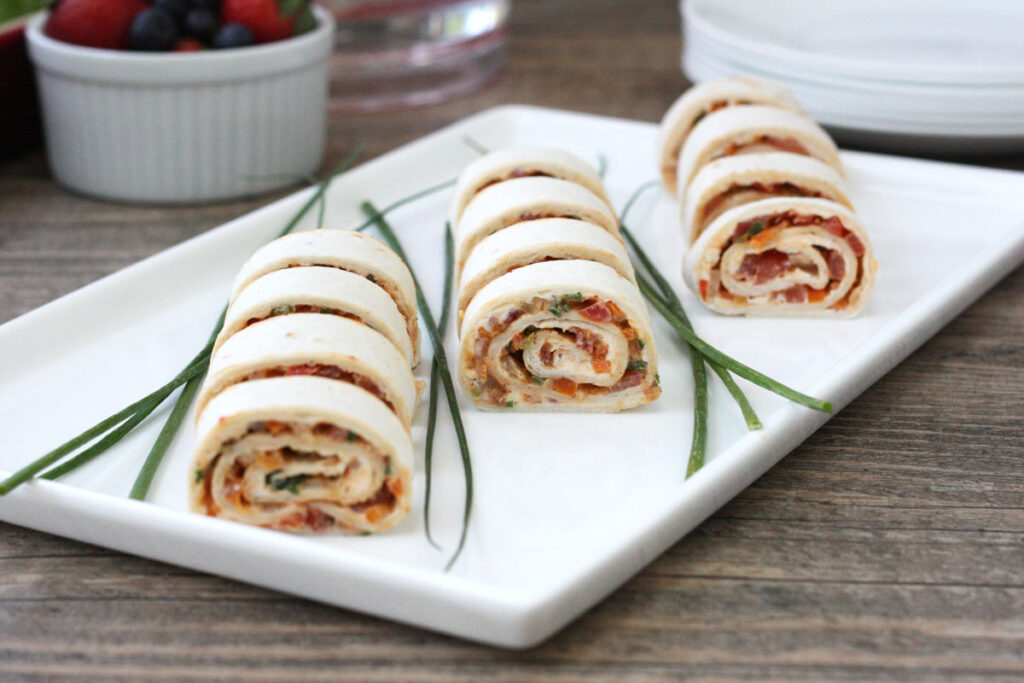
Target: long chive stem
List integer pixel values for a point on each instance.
(445, 374)
(140, 488)
(670, 298)
(428, 451)
(406, 200)
(699, 443)
(41, 463)
(728, 362)
(116, 435)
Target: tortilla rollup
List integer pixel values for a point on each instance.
(753, 129)
(783, 256)
(316, 345)
(559, 336)
(736, 180)
(546, 239)
(524, 199)
(302, 454)
(703, 99)
(316, 289)
(508, 164)
(344, 249)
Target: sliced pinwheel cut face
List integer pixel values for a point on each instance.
(509, 164)
(559, 336)
(527, 199)
(546, 239)
(318, 289)
(308, 344)
(345, 250)
(302, 454)
(706, 98)
(753, 129)
(733, 181)
(783, 257)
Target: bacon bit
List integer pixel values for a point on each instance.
(764, 266)
(317, 520)
(731, 149)
(601, 366)
(597, 312)
(631, 378)
(704, 289)
(331, 431)
(306, 308)
(512, 317)
(836, 265)
(815, 296)
(785, 145)
(564, 386)
(834, 226)
(855, 244)
(276, 427)
(797, 294)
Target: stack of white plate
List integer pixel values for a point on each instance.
(935, 75)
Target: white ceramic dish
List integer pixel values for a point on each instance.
(183, 127)
(567, 506)
(939, 41)
(881, 127)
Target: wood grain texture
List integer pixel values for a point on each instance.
(890, 545)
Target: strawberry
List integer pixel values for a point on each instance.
(269, 20)
(93, 23)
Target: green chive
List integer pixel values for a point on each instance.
(428, 452)
(377, 219)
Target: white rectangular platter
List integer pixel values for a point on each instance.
(567, 506)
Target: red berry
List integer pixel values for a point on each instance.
(263, 17)
(94, 23)
(188, 45)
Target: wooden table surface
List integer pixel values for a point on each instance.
(889, 545)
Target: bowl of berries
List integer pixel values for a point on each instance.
(178, 101)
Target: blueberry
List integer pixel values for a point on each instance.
(177, 8)
(153, 30)
(202, 25)
(212, 5)
(233, 35)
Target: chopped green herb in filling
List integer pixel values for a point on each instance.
(510, 404)
(636, 365)
(757, 227)
(537, 380)
(290, 484)
(283, 309)
(199, 475)
(577, 297)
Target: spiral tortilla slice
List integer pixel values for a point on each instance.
(736, 180)
(346, 250)
(559, 336)
(317, 289)
(508, 164)
(786, 256)
(316, 345)
(703, 99)
(525, 199)
(302, 454)
(546, 239)
(749, 130)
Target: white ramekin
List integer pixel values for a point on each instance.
(186, 126)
